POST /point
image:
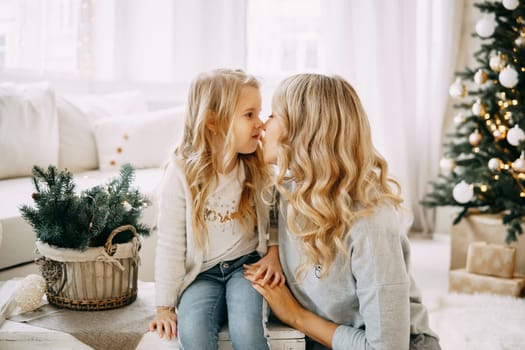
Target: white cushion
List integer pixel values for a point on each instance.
(28, 128)
(144, 140)
(76, 115)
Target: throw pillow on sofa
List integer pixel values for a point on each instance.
(76, 116)
(28, 128)
(144, 140)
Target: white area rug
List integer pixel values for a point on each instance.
(479, 322)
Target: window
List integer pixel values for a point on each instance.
(284, 37)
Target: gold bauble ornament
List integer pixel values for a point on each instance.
(478, 108)
(475, 138)
(457, 89)
(498, 62)
(480, 77)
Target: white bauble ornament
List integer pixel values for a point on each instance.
(495, 164)
(480, 77)
(478, 108)
(510, 4)
(498, 62)
(459, 118)
(462, 192)
(447, 165)
(457, 89)
(515, 135)
(508, 77)
(519, 164)
(485, 27)
(475, 138)
(520, 42)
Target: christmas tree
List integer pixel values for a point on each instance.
(483, 164)
(63, 218)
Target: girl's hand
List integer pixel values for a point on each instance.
(267, 270)
(165, 322)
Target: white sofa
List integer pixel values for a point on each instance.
(91, 136)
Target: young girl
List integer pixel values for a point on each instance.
(212, 220)
(343, 243)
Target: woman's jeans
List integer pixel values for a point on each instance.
(218, 294)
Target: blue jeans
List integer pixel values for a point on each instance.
(219, 294)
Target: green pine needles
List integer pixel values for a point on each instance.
(483, 164)
(63, 218)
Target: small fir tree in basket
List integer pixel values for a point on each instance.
(63, 218)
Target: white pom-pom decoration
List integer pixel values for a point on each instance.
(30, 292)
(462, 192)
(495, 164)
(510, 4)
(508, 77)
(515, 135)
(485, 27)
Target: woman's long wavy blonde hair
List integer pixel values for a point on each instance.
(326, 149)
(215, 95)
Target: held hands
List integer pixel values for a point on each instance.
(165, 322)
(267, 270)
(282, 303)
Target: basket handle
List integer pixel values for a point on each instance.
(109, 247)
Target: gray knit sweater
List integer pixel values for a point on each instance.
(370, 293)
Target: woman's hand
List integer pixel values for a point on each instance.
(282, 302)
(266, 270)
(165, 322)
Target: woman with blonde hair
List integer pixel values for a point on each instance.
(212, 220)
(342, 231)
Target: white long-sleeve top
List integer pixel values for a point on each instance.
(178, 260)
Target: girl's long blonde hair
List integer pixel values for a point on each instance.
(326, 149)
(215, 95)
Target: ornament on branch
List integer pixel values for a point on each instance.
(475, 138)
(447, 165)
(495, 164)
(510, 4)
(457, 89)
(520, 41)
(462, 192)
(480, 77)
(519, 164)
(459, 118)
(515, 135)
(498, 61)
(485, 27)
(508, 77)
(500, 133)
(478, 108)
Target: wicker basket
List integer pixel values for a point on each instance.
(99, 278)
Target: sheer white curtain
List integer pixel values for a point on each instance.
(400, 56)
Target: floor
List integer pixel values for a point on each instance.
(429, 265)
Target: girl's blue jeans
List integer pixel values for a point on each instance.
(219, 294)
